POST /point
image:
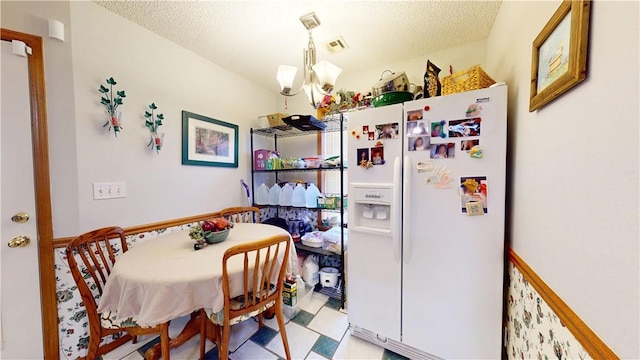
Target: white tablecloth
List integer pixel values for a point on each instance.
(165, 278)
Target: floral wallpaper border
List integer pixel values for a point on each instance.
(533, 330)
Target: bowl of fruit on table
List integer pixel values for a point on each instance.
(211, 231)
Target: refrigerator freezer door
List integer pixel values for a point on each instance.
(453, 262)
(370, 131)
(374, 263)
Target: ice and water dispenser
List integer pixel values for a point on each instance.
(372, 207)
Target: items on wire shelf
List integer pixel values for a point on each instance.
(285, 190)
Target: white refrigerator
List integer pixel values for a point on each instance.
(426, 225)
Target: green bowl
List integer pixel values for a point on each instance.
(212, 237)
(391, 97)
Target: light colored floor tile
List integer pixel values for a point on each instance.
(300, 339)
(313, 303)
(241, 332)
(352, 347)
(329, 322)
(251, 350)
(133, 356)
(190, 349)
(124, 351)
(315, 356)
(176, 325)
(273, 323)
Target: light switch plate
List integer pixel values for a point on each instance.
(110, 190)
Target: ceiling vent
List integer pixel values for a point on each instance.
(336, 45)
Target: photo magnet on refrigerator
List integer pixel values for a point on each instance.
(442, 151)
(413, 115)
(466, 145)
(464, 127)
(473, 189)
(377, 155)
(363, 158)
(437, 129)
(417, 128)
(388, 131)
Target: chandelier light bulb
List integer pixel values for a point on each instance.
(285, 76)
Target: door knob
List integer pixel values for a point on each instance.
(19, 241)
(21, 217)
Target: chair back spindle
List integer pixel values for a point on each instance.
(91, 257)
(263, 265)
(241, 214)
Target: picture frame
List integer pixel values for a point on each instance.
(208, 142)
(557, 66)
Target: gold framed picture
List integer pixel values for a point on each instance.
(559, 56)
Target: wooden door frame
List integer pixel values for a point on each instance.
(40, 145)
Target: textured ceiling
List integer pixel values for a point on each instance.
(252, 38)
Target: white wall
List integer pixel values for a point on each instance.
(574, 168)
(460, 58)
(100, 44)
(150, 69)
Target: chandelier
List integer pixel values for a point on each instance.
(319, 78)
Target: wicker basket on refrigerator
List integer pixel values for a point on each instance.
(473, 78)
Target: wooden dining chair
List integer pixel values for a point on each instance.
(263, 264)
(91, 257)
(241, 214)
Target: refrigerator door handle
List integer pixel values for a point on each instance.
(406, 203)
(397, 206)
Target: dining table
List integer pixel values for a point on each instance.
(166, 278)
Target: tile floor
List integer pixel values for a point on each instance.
(318, 331)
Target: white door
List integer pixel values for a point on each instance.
(453, 262)
(21, 324)
(374, 269)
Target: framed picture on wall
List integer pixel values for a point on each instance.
(559, 56)
(208, 142)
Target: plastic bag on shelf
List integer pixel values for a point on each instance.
(331, 240)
